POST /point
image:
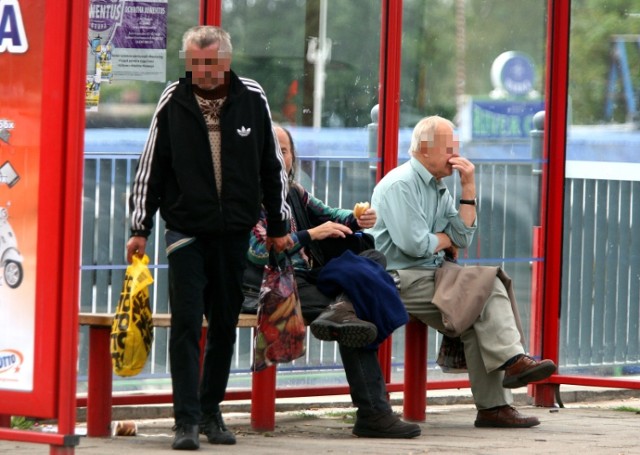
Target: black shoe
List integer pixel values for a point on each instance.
(186, 438)
(214, 428)
(339, 323)
(385, 426)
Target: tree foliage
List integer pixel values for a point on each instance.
(593, 24)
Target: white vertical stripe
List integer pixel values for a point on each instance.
(141, 181)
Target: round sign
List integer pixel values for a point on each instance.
(513, 72)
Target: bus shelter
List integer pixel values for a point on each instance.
(557, 176)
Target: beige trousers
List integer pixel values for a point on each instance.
(488, 344)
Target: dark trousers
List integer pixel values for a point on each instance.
(205, 278)
(362, 369)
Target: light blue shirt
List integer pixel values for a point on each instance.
(412, 206)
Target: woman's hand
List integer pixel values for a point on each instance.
(367, 219)
(279, 243)
(329, 229)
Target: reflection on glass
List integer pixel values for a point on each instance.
(601, 291)
(319, 68)
(481, 64)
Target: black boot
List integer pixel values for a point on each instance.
(339, 323)
(216, 431)
(385, 426)
(186, 438)
(375, 418)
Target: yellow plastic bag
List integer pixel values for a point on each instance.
(132, 329)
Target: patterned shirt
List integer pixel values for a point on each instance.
(318, 213)
(210, 102)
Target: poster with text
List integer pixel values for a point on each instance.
(128, 40)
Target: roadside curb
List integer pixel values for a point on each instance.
(569, 394)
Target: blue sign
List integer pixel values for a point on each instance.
(513, 72)
(498, 119)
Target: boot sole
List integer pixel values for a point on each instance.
(351, 335)
(366, 433)
(186, 444)
(534, 374)
(488, 424)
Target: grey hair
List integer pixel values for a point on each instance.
(425, 130)
(206, 35)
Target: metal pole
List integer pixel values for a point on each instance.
(319, 69)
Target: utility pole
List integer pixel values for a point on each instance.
(461, 40)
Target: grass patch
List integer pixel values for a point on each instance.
(627, 409)
(22, 423)
(347, 416)
(306, 415)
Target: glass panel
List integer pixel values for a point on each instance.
(326, 106)
(480, 63)
(599, 333)
(114, 139)
(326, 102)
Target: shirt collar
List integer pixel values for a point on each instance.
(426, 176)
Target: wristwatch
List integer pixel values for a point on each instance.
(473, 201)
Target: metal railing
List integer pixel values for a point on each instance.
(601, 271)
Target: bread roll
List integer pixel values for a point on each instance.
(360, 208)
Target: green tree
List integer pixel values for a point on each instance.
(593, 23)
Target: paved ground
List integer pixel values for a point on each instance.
(606, 424)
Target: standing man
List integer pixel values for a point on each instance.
(210, 161)
(418, 223)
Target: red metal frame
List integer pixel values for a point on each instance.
(41, 401)
(552, 215)
(210, 12)
(59, 219)
(545, 331)
(389, 92)
(552, 208)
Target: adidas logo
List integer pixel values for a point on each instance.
(244, 132)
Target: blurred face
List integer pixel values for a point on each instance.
(285, 146)
(435, 154)
(208, 66)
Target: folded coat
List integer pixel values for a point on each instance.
(370, 288)
(461, 293)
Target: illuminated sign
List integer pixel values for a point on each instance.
(13, 37)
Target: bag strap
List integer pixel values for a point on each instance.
(302, 222)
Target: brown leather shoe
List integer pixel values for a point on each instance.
(526, 370)
(504, 417)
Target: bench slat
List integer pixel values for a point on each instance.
(159, 320)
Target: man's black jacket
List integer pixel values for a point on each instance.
(175, 172)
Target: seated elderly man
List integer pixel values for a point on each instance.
(418, 223)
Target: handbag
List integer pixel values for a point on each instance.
(281, 332)
(322, 251)
(451, 358)
(132, 327)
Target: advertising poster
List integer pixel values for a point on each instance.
(21, 76)
(127, 40)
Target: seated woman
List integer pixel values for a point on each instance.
(335, 319)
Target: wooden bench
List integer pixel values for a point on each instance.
(100, 399)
